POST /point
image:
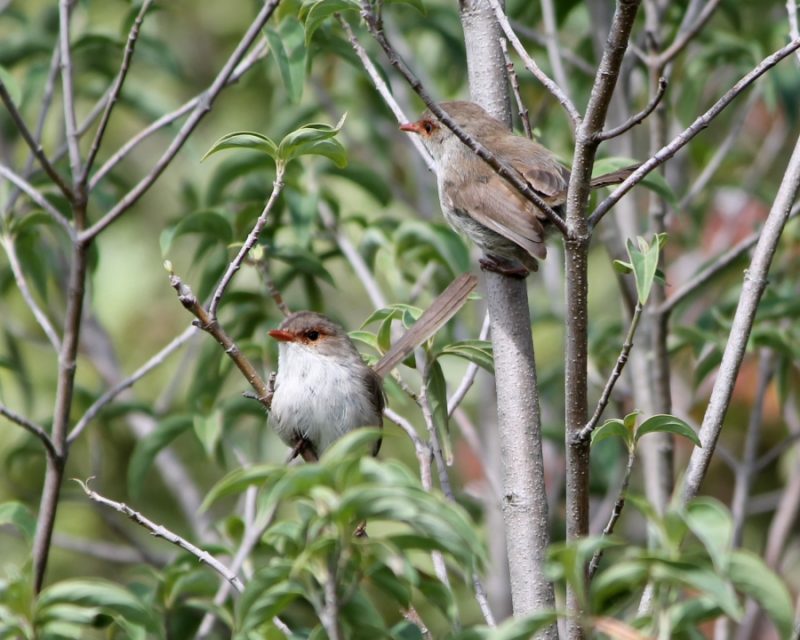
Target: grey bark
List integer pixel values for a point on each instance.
(519, 426)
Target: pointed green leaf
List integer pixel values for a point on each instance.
(320, 11)
(287, 44)
(19, 516)
(148, 448)
(752, 576)
(477, 351)
(613, 427)
(667, 424)
(244, 140)
(644, 261)
(711, 522)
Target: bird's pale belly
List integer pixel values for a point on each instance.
(319, 402)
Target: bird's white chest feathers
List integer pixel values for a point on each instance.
(318, 397)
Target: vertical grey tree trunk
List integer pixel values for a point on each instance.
(519, 425)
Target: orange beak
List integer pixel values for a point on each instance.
(281, 336)
(412, 127)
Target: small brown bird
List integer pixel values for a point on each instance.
(324, 389)
(476, 201)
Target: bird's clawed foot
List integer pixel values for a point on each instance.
(503, 267)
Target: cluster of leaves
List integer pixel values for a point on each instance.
(692, 554)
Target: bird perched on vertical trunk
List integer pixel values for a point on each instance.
(323, 389)
(476, 201)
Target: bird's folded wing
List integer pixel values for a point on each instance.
(499, 207)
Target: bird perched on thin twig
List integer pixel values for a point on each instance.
(478, 202)
(324, 389)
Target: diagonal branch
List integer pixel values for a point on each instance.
(681, 140)
(245, 65)
(64, 11)
(721, 263)
(161, 531)
(507, 172)
(384, 91)
(605, 396)
(116, 89)
(203, 106)
(637, 118)
(35, 195)
(29, 426)
(22, 285)
(530, 64)
(755, 282)
(249, 243)
(35, 147)
(154, 362)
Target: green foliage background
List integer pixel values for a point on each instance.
(383, 201)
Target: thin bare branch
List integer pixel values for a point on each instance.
(28, 425)
(622, 359)
(530, 64)
(747, 467)
(352, 255)
(554, 50)
(249, 243)
(504, 170)
(384, 91)
(581, 64)
(718, 265)
(616, 512)
(755, 282)
(794, 31)
(212, 327)
(685, 36)
(154, 362)
(116, 89)
(721, 153)
(682, 139)
(469, 376)
(514, 80)
(22, 285)
(637, 118)
(35, 147)
(202, 107)
(64, 12)
(35, 195)
(161, 531)
(258, 52)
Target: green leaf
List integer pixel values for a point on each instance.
(209, 222)
(519, 629)
(315, 138)
(107, 596)
(667, 424)
(612, 427)
(240, 479)
(249, 140)
(19, 516)
(710, 521)
(208, 429)
(751, 575)
(622, 267)
(287, 44)
(447, 247)
(417, 4)
(437, 396)
(702, 578)
(477, 351)
(148, 448)
(11, 85)
(644, 261)
(321, 11)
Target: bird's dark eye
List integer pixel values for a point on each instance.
(312, 335)
(428, 126)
